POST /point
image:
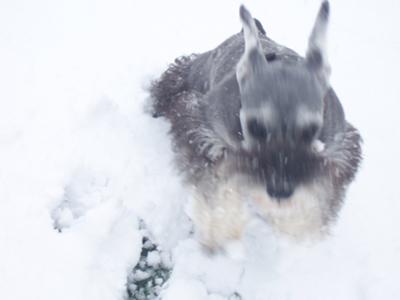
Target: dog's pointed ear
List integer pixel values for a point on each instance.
(316, 57)
(253, 58)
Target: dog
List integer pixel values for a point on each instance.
(256, 126)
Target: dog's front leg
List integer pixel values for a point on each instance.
(219, 215)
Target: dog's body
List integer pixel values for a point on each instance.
(254, 121)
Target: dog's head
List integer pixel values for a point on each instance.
(282, 108)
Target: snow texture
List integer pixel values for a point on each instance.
(81, 163)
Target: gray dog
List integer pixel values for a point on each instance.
(254, 123)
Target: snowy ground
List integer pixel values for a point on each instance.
(80, 163)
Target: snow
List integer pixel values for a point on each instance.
(82, 166)
(153, 259)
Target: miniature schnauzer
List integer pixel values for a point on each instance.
(252, 122)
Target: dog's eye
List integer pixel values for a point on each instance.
(308, 134)
(256, 129)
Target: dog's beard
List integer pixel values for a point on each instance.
(221, 216)
(302, 216)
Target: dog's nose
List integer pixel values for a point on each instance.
(280, 190)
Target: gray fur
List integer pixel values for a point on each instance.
(253, 108)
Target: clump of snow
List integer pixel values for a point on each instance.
(235, 250)
(151, 273)
(186, 289)
(153, 259)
